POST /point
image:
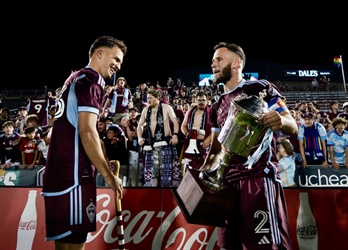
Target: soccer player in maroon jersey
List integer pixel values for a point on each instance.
(259, 219)
(75, 153)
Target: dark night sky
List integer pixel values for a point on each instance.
(42, 44)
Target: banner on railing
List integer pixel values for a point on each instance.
(153, 220)
(317, 176)
(312, 176)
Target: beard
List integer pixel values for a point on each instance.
(224, 75)
(201, 107)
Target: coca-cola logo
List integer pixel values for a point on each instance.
(141, 226)
(310, 231)
(27, 225)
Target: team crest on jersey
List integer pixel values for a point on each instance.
(91, 211)
(60, 108)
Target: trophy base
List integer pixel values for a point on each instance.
(201, 205)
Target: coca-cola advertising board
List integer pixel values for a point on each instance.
(153, 220)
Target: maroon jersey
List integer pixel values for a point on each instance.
(8, 150)
(67, 163)
(40, 106)
(218, 114)
(332, 115)
(124, 96)
(258, 191)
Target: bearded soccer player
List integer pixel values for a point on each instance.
(259, 219)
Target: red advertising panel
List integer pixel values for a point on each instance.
(153, 220)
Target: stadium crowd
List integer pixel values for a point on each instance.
(322, 138)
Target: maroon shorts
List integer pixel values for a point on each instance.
(74, 238)
(73, 212)
(260, 218)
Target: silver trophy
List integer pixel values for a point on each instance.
(239, 135)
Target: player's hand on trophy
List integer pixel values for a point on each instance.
(211, 162)
(272, 119)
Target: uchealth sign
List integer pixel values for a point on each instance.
(313, 176)
(317, 176)
(153, 220)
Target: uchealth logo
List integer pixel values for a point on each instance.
(322, 178)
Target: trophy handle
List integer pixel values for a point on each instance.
(213, 178)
